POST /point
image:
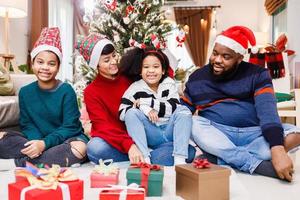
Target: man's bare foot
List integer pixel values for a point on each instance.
(291, 141)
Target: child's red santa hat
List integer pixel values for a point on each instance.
(237, 38)
(49, 40)
(91, 48)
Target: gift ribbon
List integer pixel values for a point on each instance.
(64, 190)
(45, 178)
(145, 172)
(106, 167)
(123, 193)
(201, 163)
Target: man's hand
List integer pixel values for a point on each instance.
(153, 116)
(135, 155)
(34, 148)
(282, 163)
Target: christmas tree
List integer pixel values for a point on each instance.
(126, 23)
(130, 23)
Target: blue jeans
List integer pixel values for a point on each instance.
(241, 148)
(148, 135)
(97, 149)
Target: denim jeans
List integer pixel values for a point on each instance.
(241, 148)
(149, 135)
(97, 149)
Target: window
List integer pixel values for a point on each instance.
(279, 22)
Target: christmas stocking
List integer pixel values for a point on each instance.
(275, 64)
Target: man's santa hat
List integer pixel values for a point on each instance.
(49, 40)
(91, 48)
(237, 38)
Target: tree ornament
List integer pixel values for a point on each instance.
(180, 38)
(155, 41)
(110, 4)
(155, 2)
(186, 29)
(134, 43)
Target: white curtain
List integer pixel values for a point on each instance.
(61, 15)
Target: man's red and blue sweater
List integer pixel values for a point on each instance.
(246, 99)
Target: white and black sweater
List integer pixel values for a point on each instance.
(164, 101)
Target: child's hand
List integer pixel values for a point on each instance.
(136, 103)
(135, 155)
(153, 116)
(34, 148)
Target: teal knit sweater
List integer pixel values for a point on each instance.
(49, 115)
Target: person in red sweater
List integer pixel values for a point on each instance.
(102, 97)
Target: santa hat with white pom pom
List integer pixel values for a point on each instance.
(237, 39)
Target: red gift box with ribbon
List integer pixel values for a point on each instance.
(120, 192)
(104, 174)
(71, 190)
(45, 183)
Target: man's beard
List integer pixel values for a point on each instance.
(226, 75)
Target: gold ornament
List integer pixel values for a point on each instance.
(186, 29)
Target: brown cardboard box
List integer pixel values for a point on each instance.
(202, 184)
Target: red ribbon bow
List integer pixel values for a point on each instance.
(201, 163)
(145, 172)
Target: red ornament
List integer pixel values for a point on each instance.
(155, 41)
(110, 4)
(129, 10)
(134, 43)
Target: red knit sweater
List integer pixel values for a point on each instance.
(102, 98)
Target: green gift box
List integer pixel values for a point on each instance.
(155, 180)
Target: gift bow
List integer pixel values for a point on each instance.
(106, 169)
(124, 189)
(201, 163)
(45, 178)
(145, 172)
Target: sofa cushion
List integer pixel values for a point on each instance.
(9, 111)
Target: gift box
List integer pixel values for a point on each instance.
(210, 183)
(122, 192)
(99, 180)
(106, 173)
(154, 180)
(73, 188)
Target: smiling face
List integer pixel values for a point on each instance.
(45, 66)
(224, 61)
(152, 71)
(107, 65)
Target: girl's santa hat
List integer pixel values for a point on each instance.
(49, 40)
(237, 38)
(91, 48)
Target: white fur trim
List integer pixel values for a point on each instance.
(230, 43)
(96, 53)
(45, 47)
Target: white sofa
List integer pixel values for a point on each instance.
(9, 106)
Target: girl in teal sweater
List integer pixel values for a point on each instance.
(49, 115)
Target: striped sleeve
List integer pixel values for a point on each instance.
(266, 109)
(167, 102)
(126, 103)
